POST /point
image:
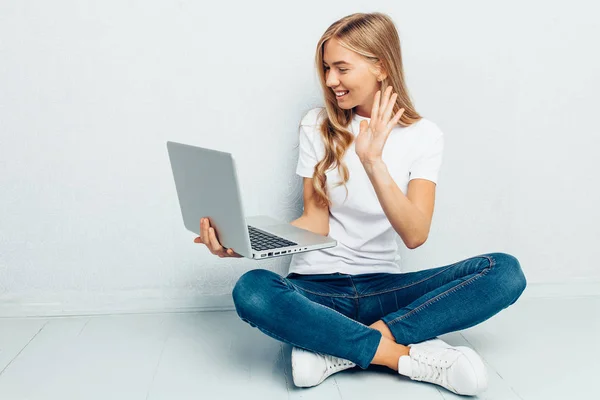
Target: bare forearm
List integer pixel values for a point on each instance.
(406, 219)
(311, 224)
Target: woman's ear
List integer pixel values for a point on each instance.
(380, 71)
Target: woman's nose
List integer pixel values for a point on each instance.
(332, 80)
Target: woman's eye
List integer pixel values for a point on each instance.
(341, 69)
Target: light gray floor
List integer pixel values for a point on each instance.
(540, 348)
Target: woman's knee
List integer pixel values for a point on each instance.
(513, 281)
(251, 292)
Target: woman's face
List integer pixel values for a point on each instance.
(347, 71)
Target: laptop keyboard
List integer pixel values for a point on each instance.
(265, 241)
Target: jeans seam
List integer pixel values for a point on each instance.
(307, 349)
(321, 294)
(422, 280)
(356, 300)
(334, 310)
(353, 286)
(409, 285)
(446, 293)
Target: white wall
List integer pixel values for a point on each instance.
(91, 91)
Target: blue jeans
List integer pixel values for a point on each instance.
(331, 313)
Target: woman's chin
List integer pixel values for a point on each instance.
(344, 105)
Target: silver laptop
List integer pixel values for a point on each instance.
(207, 186)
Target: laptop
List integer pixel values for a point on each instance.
(207, 186)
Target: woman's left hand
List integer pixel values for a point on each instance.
(373, 135)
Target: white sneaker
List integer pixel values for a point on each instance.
(310, 369)
(458, 369)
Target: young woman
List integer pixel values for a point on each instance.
(350, 305)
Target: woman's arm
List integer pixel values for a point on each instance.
(315, 217)
(411, 221)
(311, 224)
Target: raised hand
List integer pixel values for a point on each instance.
(373, 134)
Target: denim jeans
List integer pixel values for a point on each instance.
(331, 313)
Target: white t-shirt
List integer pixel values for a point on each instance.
(365, 236)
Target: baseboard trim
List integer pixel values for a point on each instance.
(112, 304)
(150, 302)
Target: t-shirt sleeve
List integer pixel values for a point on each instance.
(428, 164)
(307, 157)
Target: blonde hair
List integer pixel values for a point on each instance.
(373, 36)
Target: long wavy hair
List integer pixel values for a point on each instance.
(373, 36)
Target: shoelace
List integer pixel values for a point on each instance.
(430, 369)
(338, 363)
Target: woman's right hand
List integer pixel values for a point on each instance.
(209, 238)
